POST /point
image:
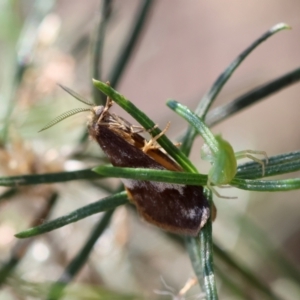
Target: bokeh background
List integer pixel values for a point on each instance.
(182, 49)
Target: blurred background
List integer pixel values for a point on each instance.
(181, 50)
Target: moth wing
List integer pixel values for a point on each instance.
(176, 208)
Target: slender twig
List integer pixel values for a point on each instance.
(97, 50)
(221, 113)
(131, 42)
(79, 260)
(21, 246)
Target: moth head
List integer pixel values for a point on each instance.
(98, 110)
(94, 118)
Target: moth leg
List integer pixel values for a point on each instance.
(107, 106)
(152, 142)
(249, 154)
(137, 129)
(140, 129)
(170, 291)
(209, 185)
(151, 129)
(188, 285)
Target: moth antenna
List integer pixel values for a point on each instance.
(75, 95)
(64, 116)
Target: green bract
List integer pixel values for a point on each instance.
(224, 165)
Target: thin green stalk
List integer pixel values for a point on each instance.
(267, 185)
(200, 250)
(221, 113)
(207, 261)
(131, 42)
(244, 271)
(152, 175)
(105, 204)
(211, 95)
(208, 98)
(231, 284)
(127, 50)
(15, 181)
(261, 241)
(193, 247)
(98, 49)
(56, 290)
(8, 194)
(277, 165)
(197, 179)
(197, 123)
(20, 248)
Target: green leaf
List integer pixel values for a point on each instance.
(16, 181)
(79, 260)
(221, 113)
(152, 175)
(277, 165)
(196, 122)
(207, 261)
(211, 95)
(196, 179)
(251, 278)
(266, 185)
(97, 49)
(200, 250)
(131, 42)
(105, 204)
(261, 242)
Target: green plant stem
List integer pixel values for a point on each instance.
(208, 98)
(211, 95)
(21, 246)
(200, 250)
(289, 162)
(245, 272)
(99, 98)
(197, 123)
(266, 185)
(221, 113)
(79, 260)
(261, 241)
(207, 262)
(105, 204)
(231, 284)
(8, 194)
(197, 179)
(152, 175)
(131, 42)
(127, 50)
(15, 181)
(277, 165)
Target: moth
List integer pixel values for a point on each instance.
(177, 208)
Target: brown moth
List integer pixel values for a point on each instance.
(177, 208)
